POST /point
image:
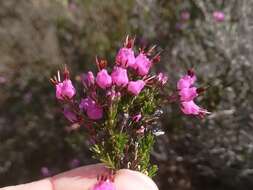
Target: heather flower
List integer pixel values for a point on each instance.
(125, 57)
(135, 87)
(88, 79)
(190, 108)
(119, 76)
(185, 15)
(104, 185)
(186, 81)
(65, 89)
(142, 64)
(218, 16)
(103, 79)
(188, 94)
(93, 110)
(45, 172)
(137, 117)
(162, 78)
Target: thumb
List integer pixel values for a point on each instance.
(84, 178)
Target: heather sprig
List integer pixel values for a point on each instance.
(121, 106)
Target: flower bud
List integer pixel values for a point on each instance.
(125, 57)
(142, 64)
(135, 87)
(92, 109)
(65, 89)
(119, 76)
(103, 79)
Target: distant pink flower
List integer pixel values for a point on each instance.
(88, 79)
(185, 15)
(104, 185)
(125, 57)
(45, 171)
(135, 87)
(142, 64)
(188, 94)
(71, 116)
(92, 109)
(137, 117)
(186, 81)
(65, 89)
(162, 78)
(218, 16)
(190, 108)
(103, 79)
(119, 76)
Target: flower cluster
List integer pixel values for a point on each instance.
(187, 94)
(121, 105)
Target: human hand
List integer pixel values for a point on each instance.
(84, 178)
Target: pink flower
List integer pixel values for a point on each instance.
(135, 87)
(162, 78)
(218, 16)
(88, 79)
(190, 108)
(93, 110)
(137, 117)
(186, 81)
(45, 171)
(125, 57)
(188, 94)
(185, 15)
(119, 76)
(103, 79)
(104, 185)
(71, 116)
(142, 64)
(65, 89)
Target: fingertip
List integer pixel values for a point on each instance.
(128, 180)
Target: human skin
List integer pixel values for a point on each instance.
(84, 178)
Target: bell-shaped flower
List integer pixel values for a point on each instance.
(135, 87)
(125, 57)
(88, 79)
(119, 76)
(92, 109)
(188, 94)
(103, 79)
(142, 64)
(65, 89)
(190, 108)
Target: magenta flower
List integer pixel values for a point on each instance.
(104, 185)
(188, 94)
(135, 87)
(186, 81)
(119, 76)
(137, 117)
(45, 171)
(218, 16)
(190, 108)
(92, 109)
(185, 15)
(142, 64)
(125, 57)
(103, 79)
(162, 78)
(65, 89)
(71, 116)
(88, 79)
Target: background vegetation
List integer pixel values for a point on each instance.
(39, 36)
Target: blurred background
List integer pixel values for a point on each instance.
(214, 37)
